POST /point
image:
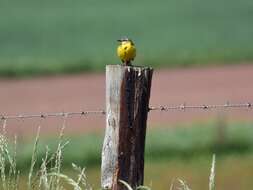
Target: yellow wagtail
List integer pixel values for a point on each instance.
(126, 51)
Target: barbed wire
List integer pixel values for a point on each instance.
(185, 107)
(56, 114)
(182, 107)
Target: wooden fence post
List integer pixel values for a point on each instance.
(127, 106)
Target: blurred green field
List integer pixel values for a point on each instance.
(53, 36)
(166, 144)
(183, 151)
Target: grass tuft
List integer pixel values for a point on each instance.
(47, 177)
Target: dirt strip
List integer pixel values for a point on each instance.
(212, 85)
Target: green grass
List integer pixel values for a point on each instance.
(232, 171)
(48, 176)
(179, 143)
(54, 36)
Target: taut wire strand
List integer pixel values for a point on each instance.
(185, 107)
(56, 114)
(182, 107)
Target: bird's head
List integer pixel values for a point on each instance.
(124, 40)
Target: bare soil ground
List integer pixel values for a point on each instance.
(87, 92)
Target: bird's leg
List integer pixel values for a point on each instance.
(128, 63)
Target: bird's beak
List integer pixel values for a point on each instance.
(119, 40)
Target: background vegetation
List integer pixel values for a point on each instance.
(50, 37)
(183, 152)
(180, 143)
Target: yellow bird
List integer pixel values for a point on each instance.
(126, 51)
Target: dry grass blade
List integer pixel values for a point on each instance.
(2, 162)
(126, 184)
(172, 184)
(9, 176)
(13, 173)
(183, 185)
(33, 161)
(43, 182)
(55, 179)
(3, 155)
(143, 188)
(69, 180)
(212, 175)
(4, 127)
(81, 178)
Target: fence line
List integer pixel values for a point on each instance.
(56, 114)
(185, 107)
(182, 107)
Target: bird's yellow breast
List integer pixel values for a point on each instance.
(126, 51)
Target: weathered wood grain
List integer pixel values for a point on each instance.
(127, 106)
